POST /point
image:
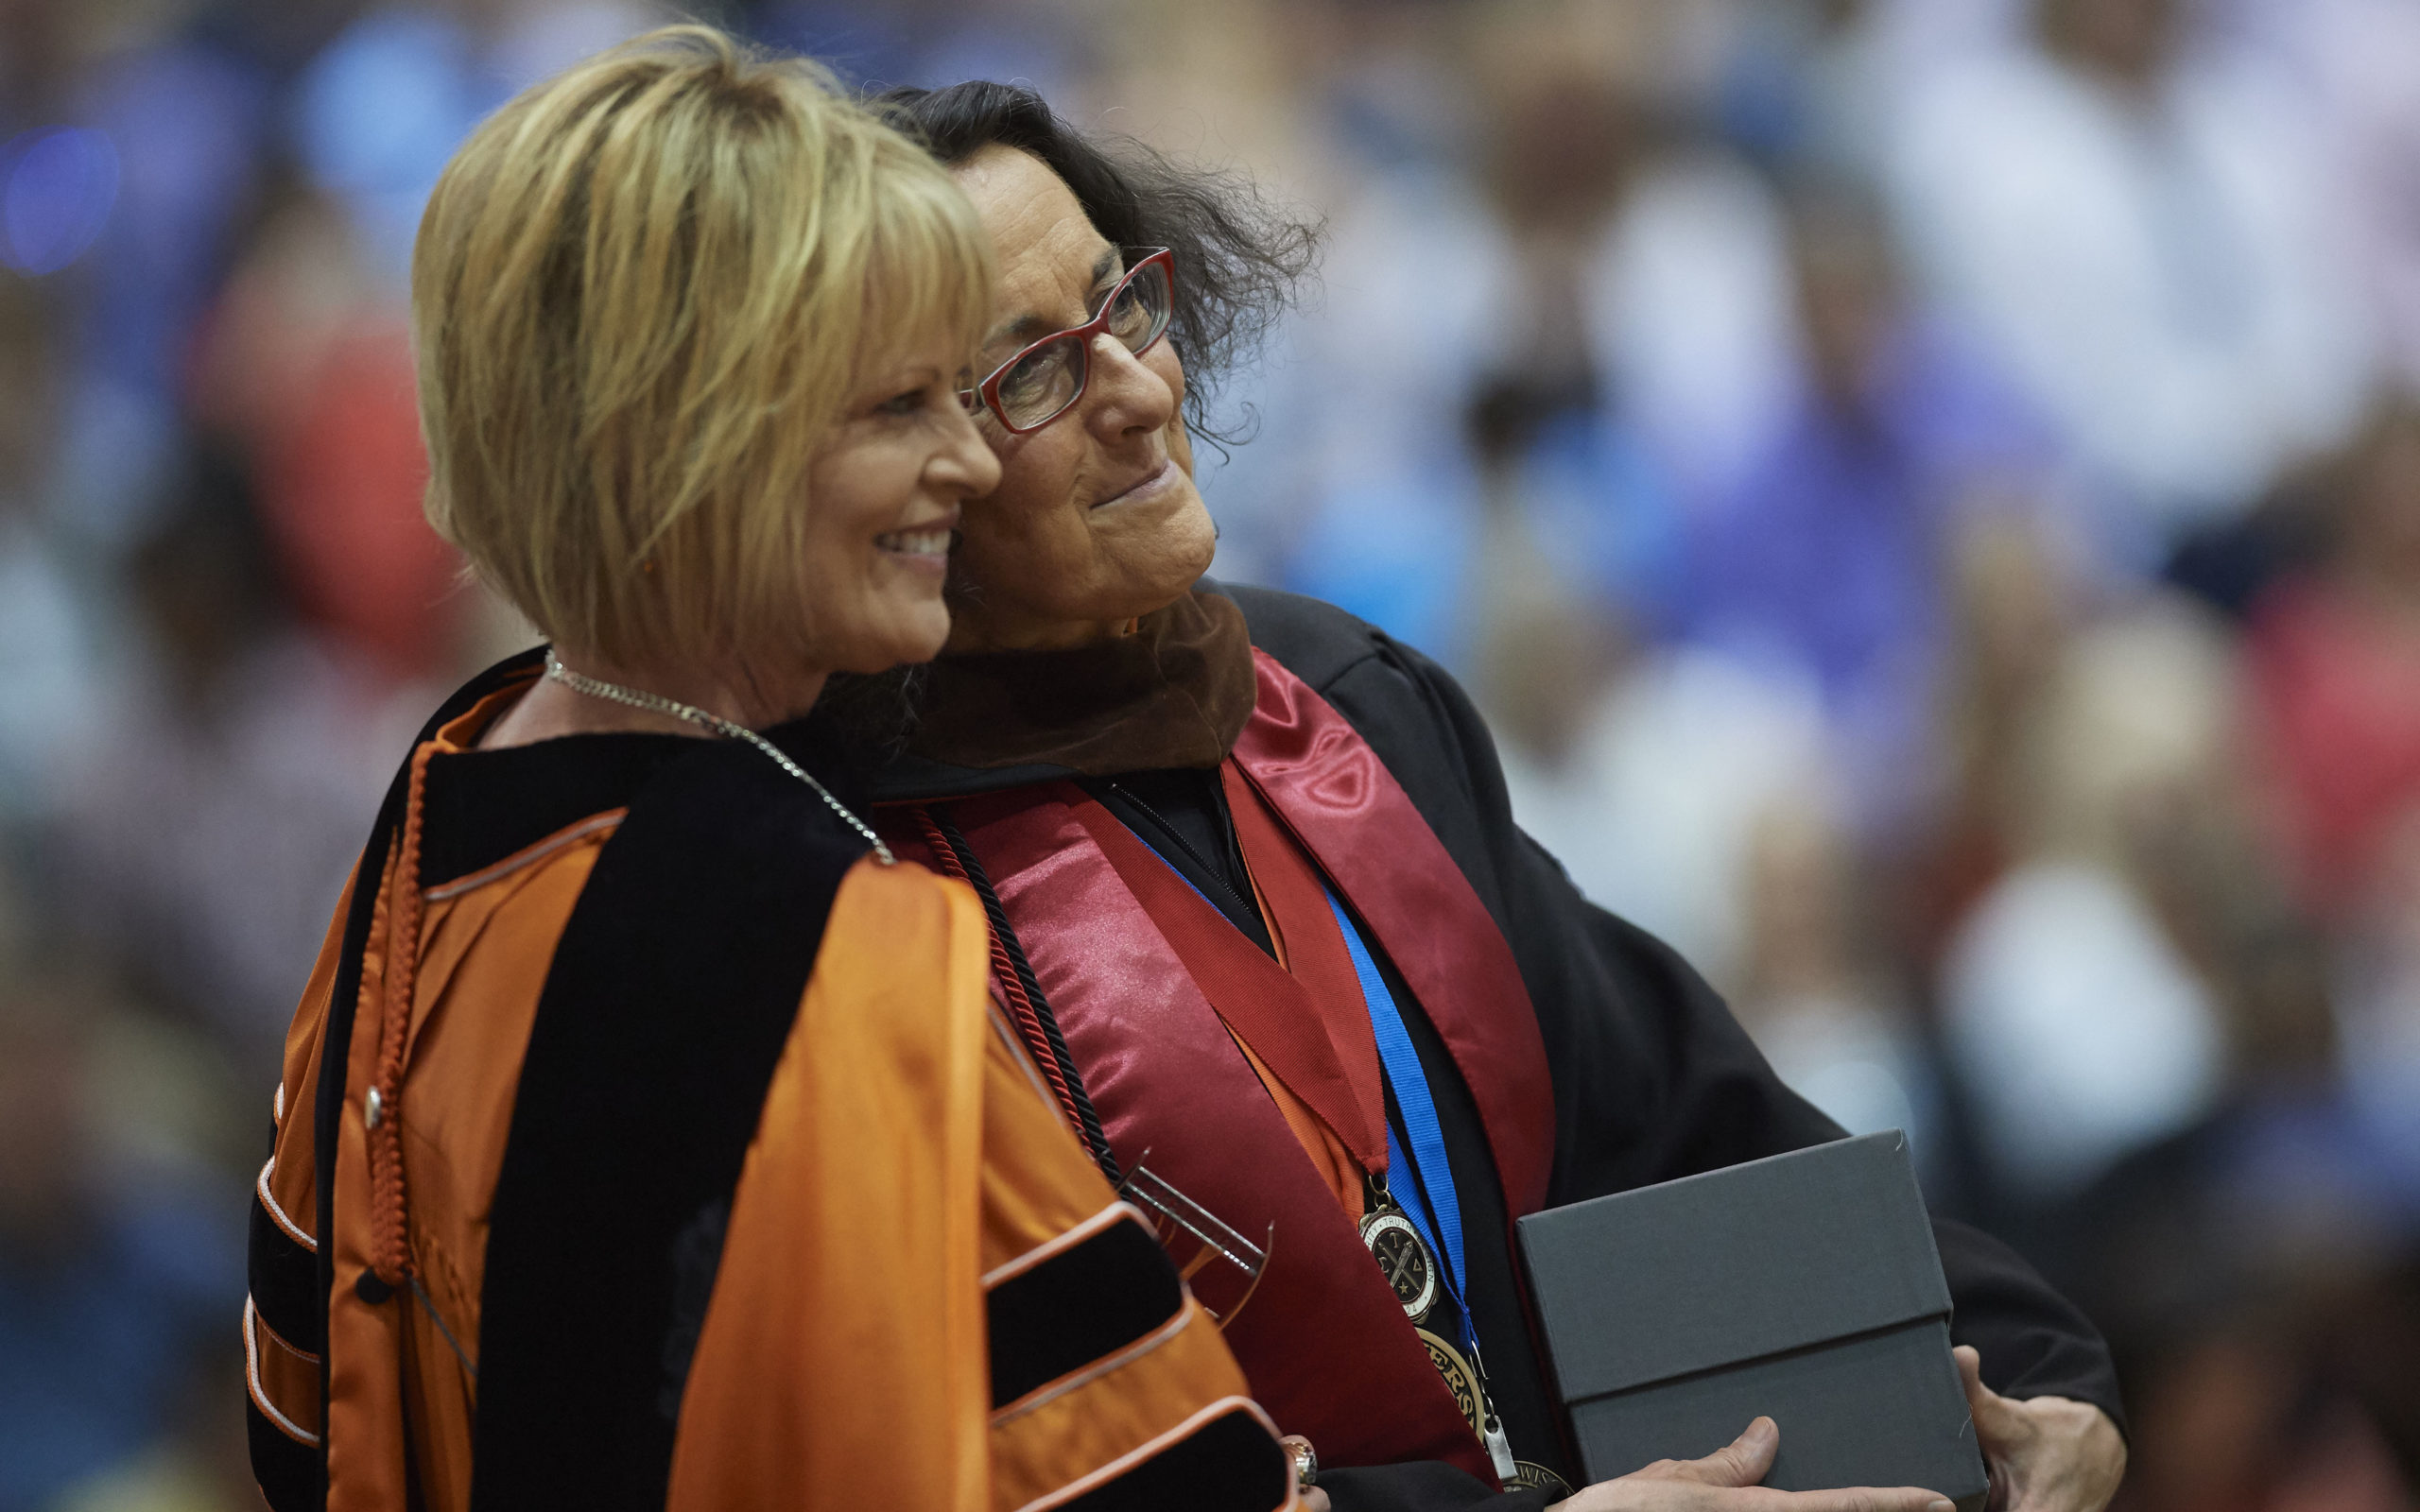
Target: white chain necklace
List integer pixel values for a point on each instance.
(596, 688)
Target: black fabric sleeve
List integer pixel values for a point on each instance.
(1653, 1078)
(1424, 1486)
(2035, 1341)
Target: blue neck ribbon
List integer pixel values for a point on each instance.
(1427, 1195)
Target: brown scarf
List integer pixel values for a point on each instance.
(1175, 692)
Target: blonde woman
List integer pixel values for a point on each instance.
(645, 1136)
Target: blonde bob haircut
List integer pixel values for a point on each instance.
(642, 295)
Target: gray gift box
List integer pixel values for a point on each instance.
(1805, 1287)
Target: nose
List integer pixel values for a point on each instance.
(1125, 396)
(965, 464)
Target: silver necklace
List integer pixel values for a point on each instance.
(657, 703)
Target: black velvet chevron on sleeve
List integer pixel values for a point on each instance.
(1653, 1078)
(1225, 1463)
(281, 1276)
(287, 1470)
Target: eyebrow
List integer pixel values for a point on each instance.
(1033, 327)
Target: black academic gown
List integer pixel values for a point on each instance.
(1653, 1078)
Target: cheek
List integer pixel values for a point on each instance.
(849, 501)
(836, 501)
(1163, 361)
(1029, 512)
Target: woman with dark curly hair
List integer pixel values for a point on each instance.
(1261, 911)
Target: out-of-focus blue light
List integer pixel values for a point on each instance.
(56, 186)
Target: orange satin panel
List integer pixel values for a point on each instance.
(287, 1185)
(376, 1353)
(472, 1015)
(842, 1361)
(841, 1364)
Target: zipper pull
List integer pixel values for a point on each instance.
(1499, 1448)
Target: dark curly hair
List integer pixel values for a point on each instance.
(1240, 257)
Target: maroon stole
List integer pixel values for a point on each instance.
(1286, 1014)
(1131, 960)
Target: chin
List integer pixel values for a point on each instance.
(1200, 544)
(910, 638)
(1181, 552)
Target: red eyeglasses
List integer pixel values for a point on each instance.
(1044, 381)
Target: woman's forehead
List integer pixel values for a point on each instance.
(1050, 256)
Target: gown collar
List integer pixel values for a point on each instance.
(1176, 692)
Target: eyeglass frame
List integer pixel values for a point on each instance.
(986, 394)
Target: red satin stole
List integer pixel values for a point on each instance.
(1300, 1020)
(1324, 1340)
(1293, 901)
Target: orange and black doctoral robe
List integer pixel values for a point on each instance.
(644, 1142)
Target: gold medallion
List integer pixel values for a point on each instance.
(1528, 1476)
(1461, 1380)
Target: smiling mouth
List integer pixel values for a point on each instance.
(1141, 484)
(933, 542)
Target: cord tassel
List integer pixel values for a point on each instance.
(390, 1240)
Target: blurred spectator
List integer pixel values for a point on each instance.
(137, 142)
(1590, 250)
(1645, 768)
(1817, 996)
(200, 1463)
(210, 821)
(380, 110)
(49, 644)
(2335, 659)
(109, 1282)
(2379, 981)
(1828, 558)
(2259, 1377)
(2013, 594)
(1648, 772)
(2355, 65)
(2079, 1026)
(307, 362)
(2142, 230)
(2255, 1271)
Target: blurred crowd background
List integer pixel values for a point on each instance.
(1926, 492)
